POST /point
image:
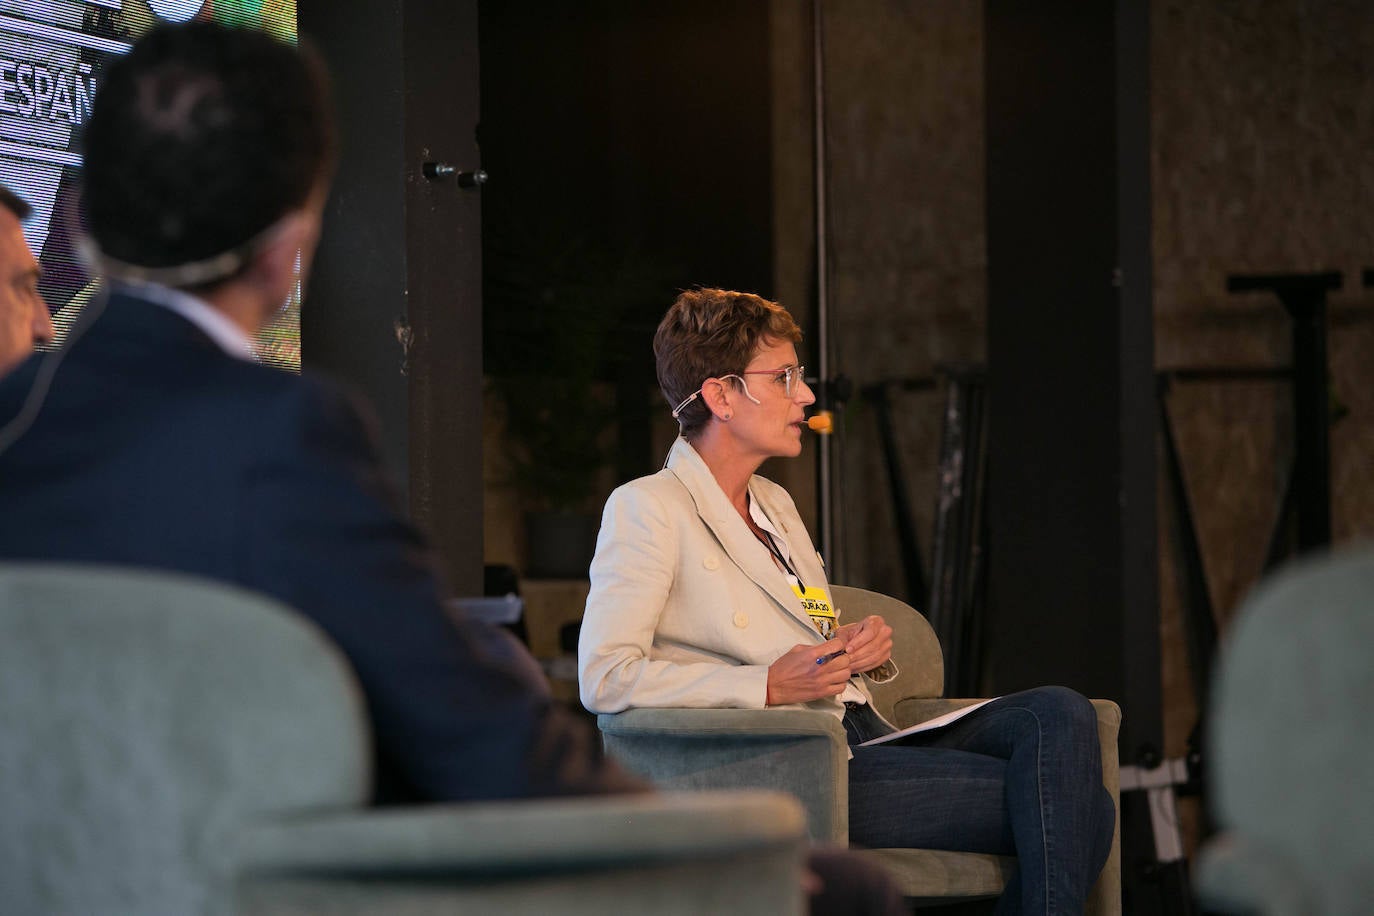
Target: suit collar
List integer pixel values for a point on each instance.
(215, 324)
(136, 323)
(730, 530)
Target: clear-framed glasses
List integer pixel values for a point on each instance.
(792, 377)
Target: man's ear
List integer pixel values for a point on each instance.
(273, 268)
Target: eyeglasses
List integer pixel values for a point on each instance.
(792, 378)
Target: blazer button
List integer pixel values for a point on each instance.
(711, 563)
(741, 619)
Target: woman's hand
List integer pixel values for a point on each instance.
(797, 678)
(868, 642)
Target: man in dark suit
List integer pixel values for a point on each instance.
(155, 440)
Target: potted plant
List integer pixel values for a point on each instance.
(556, 306)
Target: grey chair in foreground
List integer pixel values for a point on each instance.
(1291, 748)
(169, 745)
(805, 752)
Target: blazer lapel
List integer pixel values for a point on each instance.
(735, 538)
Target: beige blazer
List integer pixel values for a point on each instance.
(686, 608)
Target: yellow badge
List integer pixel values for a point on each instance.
(816, 603)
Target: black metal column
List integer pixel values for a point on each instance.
(394, 305)
(1071, 449)
(1073, 549)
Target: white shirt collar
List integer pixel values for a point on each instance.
(228, 336)
(763, 521)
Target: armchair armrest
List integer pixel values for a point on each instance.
(523, 836)
(800, 751)
(529, 856)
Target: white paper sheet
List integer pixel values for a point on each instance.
(929, 724)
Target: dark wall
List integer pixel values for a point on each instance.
(629, 150)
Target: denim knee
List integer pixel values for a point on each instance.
(1062, 704)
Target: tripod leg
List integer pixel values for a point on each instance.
(1281, 539)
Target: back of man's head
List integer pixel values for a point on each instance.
(201, 138)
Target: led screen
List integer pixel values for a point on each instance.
(52, 54)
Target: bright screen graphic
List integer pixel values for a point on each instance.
(52, 54)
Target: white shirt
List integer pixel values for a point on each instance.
(851, 694)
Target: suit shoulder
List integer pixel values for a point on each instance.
(313, 393)
(284, 412)
(243, 379)
(658, 496)
(663, 487)
(332, 414)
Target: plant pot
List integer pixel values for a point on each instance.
(559, 545)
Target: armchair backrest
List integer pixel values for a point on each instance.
(145, 717)
(915, 647)
(1291, 749)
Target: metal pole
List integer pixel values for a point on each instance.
(830, 547)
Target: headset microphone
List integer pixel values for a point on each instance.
(823, 422)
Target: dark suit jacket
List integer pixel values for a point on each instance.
(154, 448)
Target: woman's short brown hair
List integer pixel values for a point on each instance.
(709, 333)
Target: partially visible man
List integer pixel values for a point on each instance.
(24, 316)
(157, 441)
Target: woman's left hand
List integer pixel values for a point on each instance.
(868, 643)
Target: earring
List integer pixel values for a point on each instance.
(726, 416)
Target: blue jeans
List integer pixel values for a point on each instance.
(1022, 776)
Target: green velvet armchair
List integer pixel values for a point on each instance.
(1290, 750)
(169, 745)
(805, 753)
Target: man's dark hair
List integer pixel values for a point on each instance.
(199, 138)
(14, 203)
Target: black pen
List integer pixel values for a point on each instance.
(825, 658)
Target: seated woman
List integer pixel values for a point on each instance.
(707, 592)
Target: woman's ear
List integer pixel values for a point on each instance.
(716, 396)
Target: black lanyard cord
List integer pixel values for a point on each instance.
(766, 538)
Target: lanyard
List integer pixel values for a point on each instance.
(766, 538)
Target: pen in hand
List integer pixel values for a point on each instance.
(825, 658)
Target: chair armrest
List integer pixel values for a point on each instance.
(800, 751)
(524, 837)
(676, 855)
